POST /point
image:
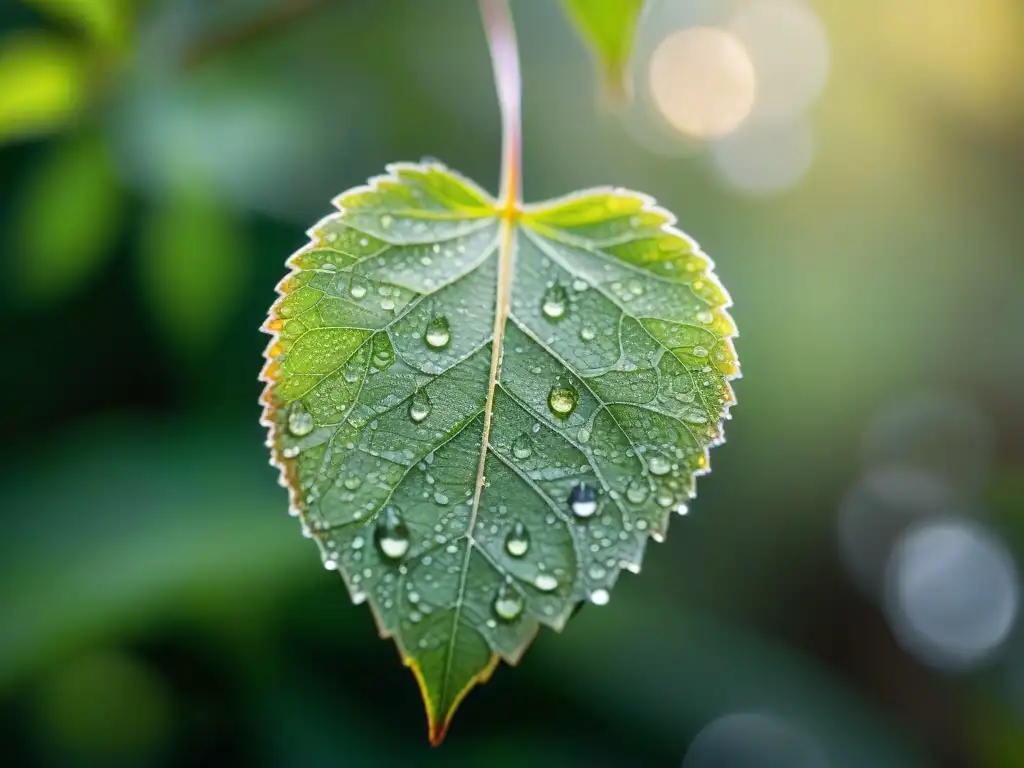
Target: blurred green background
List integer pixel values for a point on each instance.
(159, 161)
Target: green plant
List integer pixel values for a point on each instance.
(483, 409)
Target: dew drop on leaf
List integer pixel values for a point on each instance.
(386, 220)
(545, 582)
(300, 422)
(518, 540)
(392, 534)
(438, 334)
(353, 482)
(562, 401)
(554, 303)
(522, 447)
(636, 491)
(700, 351)
(583, 500)
(659, 465)
(419, 406)
(357, 288)
(507, 604)
(599, 597)
(588, 333)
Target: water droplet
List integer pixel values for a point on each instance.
(554, 303)
(440, 498)
(636, 491)
(700, 351)
(695, 416)
(704, 316)
(635, 287)
(659, 465)
(508, 604)
(300, 422)
(392, 534)
(583, 500)
(385, 220)
(545, 582)
(353, 482)
(522, 447)
(419, 406)
(358, 542)
(387, 305)
(599, 597)
(518, 540)
(562, 401)
(357, 288)
(330, 564)
(438, 333)
(587, 333)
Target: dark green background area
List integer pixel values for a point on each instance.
(159, 607)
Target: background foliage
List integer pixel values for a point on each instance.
(158, 604)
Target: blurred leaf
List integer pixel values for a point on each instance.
(193, 267)
(608, 27)
(408, 365)
(42, 84)
(68, 219)
(135, 522)
(106, 22)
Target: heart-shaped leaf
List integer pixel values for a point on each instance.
(483, 412)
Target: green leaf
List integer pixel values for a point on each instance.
(68, 218)
(42, 84)
(483, 413)
(608, 27)
(193, 267)
(106, 22)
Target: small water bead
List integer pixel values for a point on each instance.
(419, 406)
(554, 303)
(583, 500)
(704, 316)
(522, 447)
(290, 452)
(600, 597)
(330, 564)
(588, 333)
(597, 572)
(508, 604)
(545, 582)
(440, 498)
(562, 401)
(300, 422)
(358, 542)
(659, 465)
(517, 543)
(386, 220)
(635, 287)
(583, 435)
(387, 305)
(438, 333)
(636, 491)
(700, 351)
(392, 534)
(353, 482)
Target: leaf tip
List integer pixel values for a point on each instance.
(438, 722)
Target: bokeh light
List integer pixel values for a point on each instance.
(952, 593)
(938, 431)
(877, 510)
(751, 740)
(702, 81)
(761, 159)
(788, 48)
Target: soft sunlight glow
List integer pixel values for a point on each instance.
(702, 81)
(764, 159)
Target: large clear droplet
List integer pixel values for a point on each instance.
(358, 287)
(659, 465)
(508, 604)
(522, 447)
(562, 401)
(554, 303)
(583, 500)
(600, 597)
(438, 334)
(636, 491)
(300, 422)
(419, 406)
(545, 582)
(392, 534)
(518, 540)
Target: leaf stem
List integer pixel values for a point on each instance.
(501, 40)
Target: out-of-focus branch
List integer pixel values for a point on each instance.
(252, 30)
